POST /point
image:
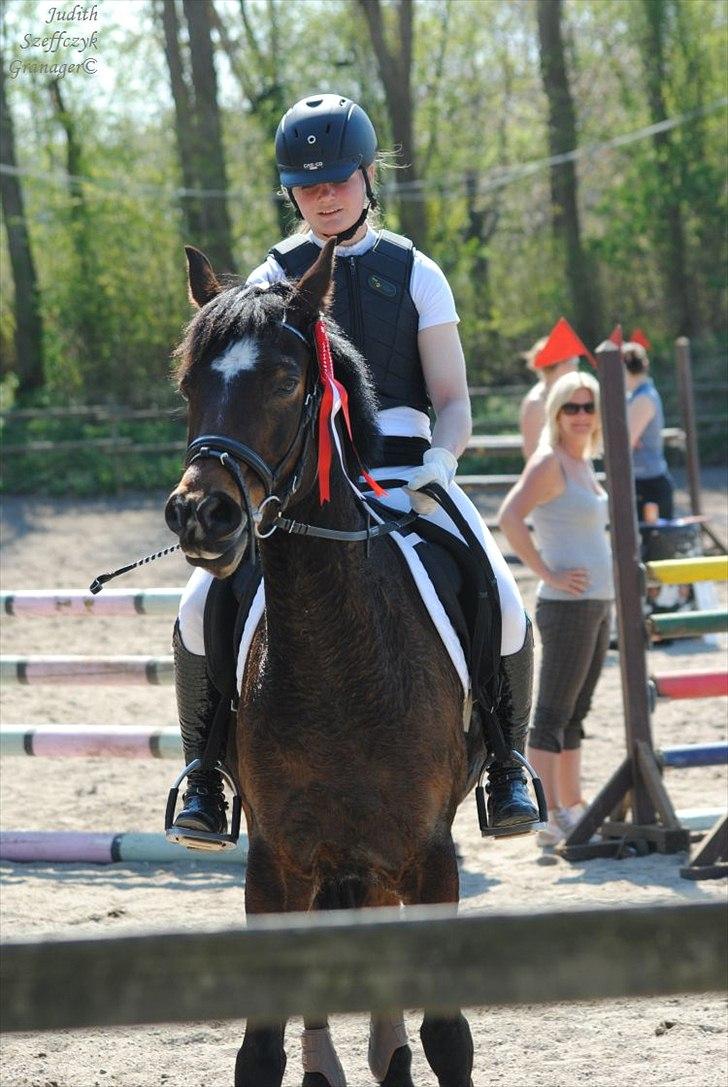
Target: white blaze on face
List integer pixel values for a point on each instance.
(240, 355)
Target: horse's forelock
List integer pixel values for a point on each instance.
(232, 314)
(253, 311)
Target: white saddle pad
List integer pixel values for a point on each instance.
(426, 590)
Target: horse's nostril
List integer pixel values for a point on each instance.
(176, 513)
(219, 515)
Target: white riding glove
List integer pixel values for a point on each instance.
(438, 466)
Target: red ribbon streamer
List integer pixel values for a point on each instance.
(329, 382)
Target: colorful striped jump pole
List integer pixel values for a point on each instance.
(688, 624)
(686, 756)
(87, 671)
(77, 603)
(691, 684)
(80, 847)
(688, 571)
(91, 741)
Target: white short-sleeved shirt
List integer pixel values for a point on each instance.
(434, 302)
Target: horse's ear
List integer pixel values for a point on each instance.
(315, 287)
(202, 281)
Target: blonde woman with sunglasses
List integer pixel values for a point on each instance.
(560, 492)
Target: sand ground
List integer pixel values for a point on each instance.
(613, 1044)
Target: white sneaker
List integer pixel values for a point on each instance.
(575, 812)
(556, 829)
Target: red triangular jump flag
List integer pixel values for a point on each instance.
(616, 336)
(639, 337)
(563, 343)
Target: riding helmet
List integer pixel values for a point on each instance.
(323, 138)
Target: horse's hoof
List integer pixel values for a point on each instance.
(314, 1079)
(398, 1073)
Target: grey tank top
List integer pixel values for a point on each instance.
(571, 530)
(648, 459)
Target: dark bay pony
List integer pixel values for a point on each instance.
(351, 753)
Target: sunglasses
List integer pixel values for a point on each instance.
(569, 408)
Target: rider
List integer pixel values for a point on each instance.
(396, 306)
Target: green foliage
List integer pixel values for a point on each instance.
(113, 289)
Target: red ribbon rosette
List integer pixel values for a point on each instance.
(334, 398)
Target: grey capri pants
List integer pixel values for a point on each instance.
(574, 643)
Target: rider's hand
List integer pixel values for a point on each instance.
(438, 466)
(574, 582)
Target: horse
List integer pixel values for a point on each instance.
(349, 744)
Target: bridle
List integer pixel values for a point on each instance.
(230, 453)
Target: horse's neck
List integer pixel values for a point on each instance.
(318, 592)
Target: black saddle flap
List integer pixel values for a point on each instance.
(226, 609)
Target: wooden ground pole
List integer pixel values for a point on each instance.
(637, 783)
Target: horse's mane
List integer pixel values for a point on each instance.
(251, 311)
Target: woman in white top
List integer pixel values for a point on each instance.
(571, 556)
(396, 306)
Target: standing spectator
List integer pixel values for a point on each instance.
(550, 357)
(560, 492)
(653, 483)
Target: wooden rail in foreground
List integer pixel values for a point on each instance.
(369, 960)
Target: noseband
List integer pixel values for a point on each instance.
(229, 452)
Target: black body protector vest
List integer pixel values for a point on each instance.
(374, 307)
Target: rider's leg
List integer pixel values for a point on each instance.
(510, 805)
(197, 699)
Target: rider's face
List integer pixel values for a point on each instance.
(331, 207)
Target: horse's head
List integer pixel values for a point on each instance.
(249, 373)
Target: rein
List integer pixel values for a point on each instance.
(230, 453)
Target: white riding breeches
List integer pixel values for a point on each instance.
(513, 616)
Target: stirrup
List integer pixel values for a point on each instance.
(202, 839)
(486, 830)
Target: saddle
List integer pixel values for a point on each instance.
(462, 582)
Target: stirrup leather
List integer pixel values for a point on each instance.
(202, 839)
(486, 830)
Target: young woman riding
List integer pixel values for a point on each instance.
(396, 306)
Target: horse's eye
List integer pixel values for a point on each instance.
(288, 386)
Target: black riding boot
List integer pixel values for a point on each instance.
(510, 807)
(197, 699)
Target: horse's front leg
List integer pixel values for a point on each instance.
(261, 1060)
(321, 1065)
(390, 1057)
(446, 1040)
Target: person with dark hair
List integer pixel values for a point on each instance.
(396, 306)
(646, 419)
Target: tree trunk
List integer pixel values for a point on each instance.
(395, 71)
(670, 234)
(166, 12)
(28, 323)
(209, 156)
(89, 311)
(258, 72)
(564, 196)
